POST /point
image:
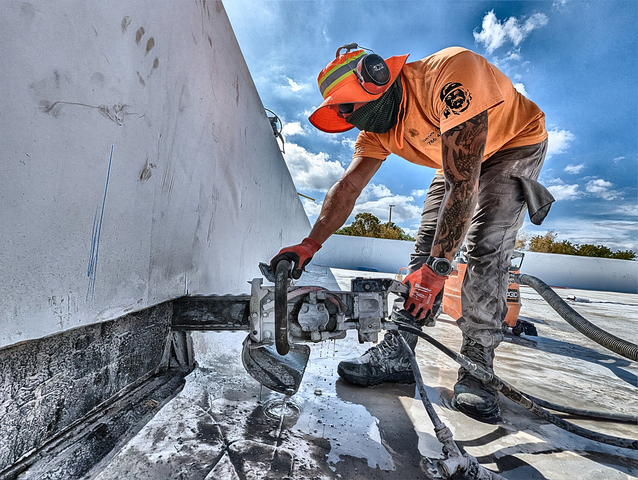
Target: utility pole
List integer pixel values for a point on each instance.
(390, 217)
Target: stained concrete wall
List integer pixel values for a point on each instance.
(50, 383)
(137, 162)
(586, 273)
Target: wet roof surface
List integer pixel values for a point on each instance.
(224, 425)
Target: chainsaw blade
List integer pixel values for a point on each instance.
(281, 373)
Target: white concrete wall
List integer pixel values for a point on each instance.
(557, 270)
(137, 162)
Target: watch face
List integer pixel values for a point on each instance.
(442, 266)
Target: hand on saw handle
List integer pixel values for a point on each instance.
(424, 286)
(298, 255)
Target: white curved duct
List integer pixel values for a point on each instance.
(360, 253)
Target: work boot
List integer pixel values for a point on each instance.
(385, 362)
(471, 396)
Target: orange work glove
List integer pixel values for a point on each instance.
(298, 255)
(424, 285)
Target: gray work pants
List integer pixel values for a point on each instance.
(490, 240)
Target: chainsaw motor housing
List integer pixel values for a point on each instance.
(316, 314)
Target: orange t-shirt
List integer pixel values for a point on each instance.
(447, 89)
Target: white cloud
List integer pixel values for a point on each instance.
(292, 128)
(312, 208)
(403, 210)
(377, 198)
(375, 190)
(554, 181)
(495, 33)
(294, 86)
(615, 234)
(348, 142)
(565, 192)
(559, 141)
(575, 169)
(618, 159)
(598, 185)
(601, 188)
(513, 56)
(520, 88)
(311, 171)
(419, 193)
(630, 210)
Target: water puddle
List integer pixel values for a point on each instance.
(278, 406)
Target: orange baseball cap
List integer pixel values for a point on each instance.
(340, 83)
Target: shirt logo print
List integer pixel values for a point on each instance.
(457, 98)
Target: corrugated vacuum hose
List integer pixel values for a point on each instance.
(611, 342)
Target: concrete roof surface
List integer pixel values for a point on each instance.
(224, 425)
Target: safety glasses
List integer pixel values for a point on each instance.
(344, 110)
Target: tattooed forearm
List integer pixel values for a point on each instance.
(463, 148)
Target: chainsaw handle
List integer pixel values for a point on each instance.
(282, 273)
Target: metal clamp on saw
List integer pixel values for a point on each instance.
(282, 316)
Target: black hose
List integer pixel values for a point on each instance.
(281, 307)
(456, 463)
(517, 396)
(611, 342)
(581, 412)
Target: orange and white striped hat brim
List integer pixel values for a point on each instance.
(338, 84)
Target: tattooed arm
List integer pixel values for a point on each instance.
(462, 149)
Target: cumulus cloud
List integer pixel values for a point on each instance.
(495, 33)
(348, 142)
(559, 141)
(294, 86)
(312, 208)
(419, 193)
(575, 169)
(520, 88)
(311, 171)
(513, 56)
(618, 159)
(292, 128)
(565, 192)
(601, 188)
(554, 181)
(373, 190)
(630, 210)
(376, 199)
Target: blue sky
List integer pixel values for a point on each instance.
(576, 59)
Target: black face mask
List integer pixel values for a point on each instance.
(380, 115)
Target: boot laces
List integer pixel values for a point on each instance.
(385, 349)
(478, 354)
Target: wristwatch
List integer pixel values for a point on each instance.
(441, 266)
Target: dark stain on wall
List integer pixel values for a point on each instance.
(139, 34)
(150, 44)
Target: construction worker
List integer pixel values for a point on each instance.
(457, 113)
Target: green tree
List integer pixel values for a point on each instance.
(564, 248)
(542, 243)
(588, 250)
(367, 225)
(547, 244)
(522, 237)
(624, 255)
